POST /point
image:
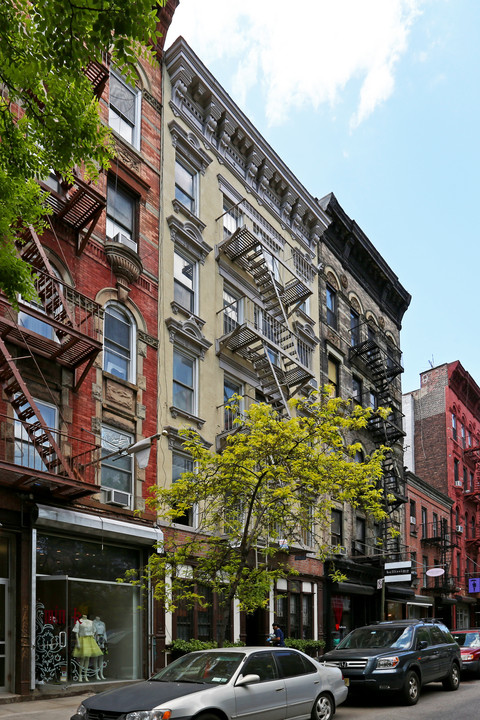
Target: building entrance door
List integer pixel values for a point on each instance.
(51, 646)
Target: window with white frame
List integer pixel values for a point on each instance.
(232, 311)
(232, 217)
(230, 388)
(124, 109)
(34, 324)
(119, 342)
(186, 185)
(117, 470)
(185, 280)
(121, 215)
(182, 463)
(26, 453)
(184, 369)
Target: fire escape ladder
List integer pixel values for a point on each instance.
(30, 417)
(269, 376)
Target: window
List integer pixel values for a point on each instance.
(357, 390)
(36, 325)
(354, 328)
(454, 426)
(230, 388)
(199, 621)
(424, 570)
(184, 272)
(124, 110)
(186, 181)
(470, 481)
(294, 610)
(360, 526)
(462, 432)
(456, 476)
(336, 537)
(231, 311)
(331, 307)
(181, 464)
(183, 382)
(424, 522)
(435, 526)
(372, 399)
(465, 479)
(25, 452)
(413, 516)
(118, 343)
(263, 665)
(334, 375)
(232, 218)
(117, 471)
(121, 211)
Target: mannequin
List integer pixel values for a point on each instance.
(85, 646)
(100, 635)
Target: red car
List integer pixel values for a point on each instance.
(469, 641)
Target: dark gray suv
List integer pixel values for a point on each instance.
(399, 656)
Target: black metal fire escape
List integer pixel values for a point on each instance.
(265, 337)
(380, 362)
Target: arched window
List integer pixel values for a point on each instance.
(119, 342)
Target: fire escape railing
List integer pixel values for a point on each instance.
(265, 337)
(34, 456)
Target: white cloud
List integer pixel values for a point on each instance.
(302, 54)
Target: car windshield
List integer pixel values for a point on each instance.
(378, 637)
(467, 639)
(206, 667)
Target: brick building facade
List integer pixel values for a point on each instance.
(443, 431)
(78, 373)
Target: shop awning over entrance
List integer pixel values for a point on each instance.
(95, 526)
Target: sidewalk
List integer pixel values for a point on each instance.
(49, 709)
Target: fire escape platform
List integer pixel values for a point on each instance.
(25, 479)
(73, 350)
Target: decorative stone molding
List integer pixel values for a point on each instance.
(177, 412)
(188, 236)
(189, 147)
(188, 335)
(148, 339)
(124, 261)
(178, 309)
(156, 104)
(127, 155)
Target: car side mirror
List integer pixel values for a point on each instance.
(247, 680)
(423, 644)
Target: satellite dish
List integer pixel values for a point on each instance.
(435, 572)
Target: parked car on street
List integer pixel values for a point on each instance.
(239, 683)
(400, 656)
(469, 641)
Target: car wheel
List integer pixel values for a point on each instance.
(411, 688)
(323, 708)
(452, 681)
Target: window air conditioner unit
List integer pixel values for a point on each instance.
(117, 497)
(413, 521)
(460, 528)
(458, 483)
(125, 240)
(341, 550)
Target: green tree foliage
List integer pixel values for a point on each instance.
(273, 485)
(49, 116)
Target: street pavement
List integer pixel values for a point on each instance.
(48, 709)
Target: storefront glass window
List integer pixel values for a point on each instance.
(88, 626)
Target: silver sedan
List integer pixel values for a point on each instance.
(233, 683)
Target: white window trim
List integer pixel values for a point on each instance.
(195, 280)
(132, 368)
(136, 133)
(129, 441)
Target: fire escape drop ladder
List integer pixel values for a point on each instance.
(26, 408)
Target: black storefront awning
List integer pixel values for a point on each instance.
(397, 592)
(353, 588)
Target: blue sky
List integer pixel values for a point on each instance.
(377, 101)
